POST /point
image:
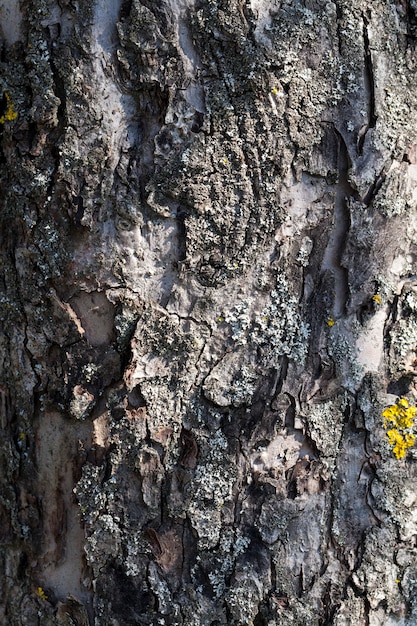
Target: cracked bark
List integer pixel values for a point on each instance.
(207, 297)
(369, 84)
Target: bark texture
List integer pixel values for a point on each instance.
(207, 297)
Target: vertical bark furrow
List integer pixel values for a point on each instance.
(369, 84)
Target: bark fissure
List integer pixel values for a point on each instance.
(332, 259)
(369, 83)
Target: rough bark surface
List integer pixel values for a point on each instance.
(207, 297)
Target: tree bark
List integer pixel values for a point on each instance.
(207, 298)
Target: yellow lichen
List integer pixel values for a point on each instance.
(377, 298)
(400, 442)
(330, 322)
(400, 415)
(10, 113)
(41, 593)
(398, 421)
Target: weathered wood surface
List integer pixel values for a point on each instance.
(207, 297)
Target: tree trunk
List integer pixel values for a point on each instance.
(208, 297)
